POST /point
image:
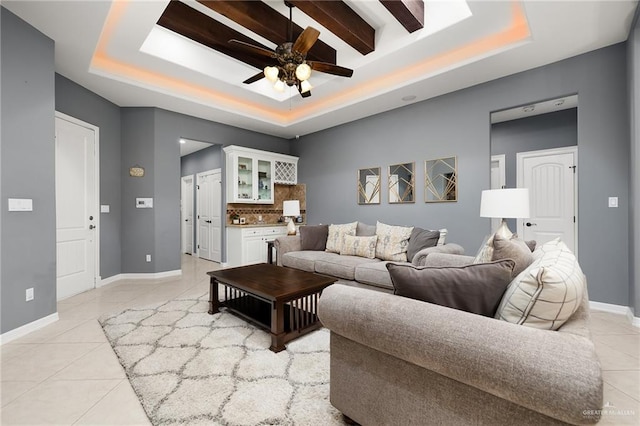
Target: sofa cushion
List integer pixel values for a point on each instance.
(340, 266)
(336, 235)
(374, 274)
(359, 246)
(364, 230)
(314, 237)
(304, 260)
(485, 253)
(515, 249)
(473, 288)
(548, 292)
(421, 238)
(393, 242)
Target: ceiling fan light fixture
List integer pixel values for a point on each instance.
(305, 86)
(271, 73)
(303, 72)
(279, 86)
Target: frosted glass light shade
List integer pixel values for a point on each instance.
(279, 86)
(291, 208)
(271, 73)
(303, 72)
(305, 86)
(505, 203)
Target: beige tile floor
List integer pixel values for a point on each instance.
(67, 374)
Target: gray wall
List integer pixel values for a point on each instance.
(76, 101)
(201, 161)
(27, 169)
(459, 124)
(633, 47)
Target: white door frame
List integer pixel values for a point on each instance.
(501, 159)
(183, 226)
(197, 212)
(520, 156)
(96, 131)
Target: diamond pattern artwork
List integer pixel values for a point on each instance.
(189, 367)
(286, 173)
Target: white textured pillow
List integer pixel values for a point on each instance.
(548, 292)
(359, 246)
(485, 254)
(443, 235)
(393, 242)
(336, 235)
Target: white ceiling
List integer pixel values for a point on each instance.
(116, 50)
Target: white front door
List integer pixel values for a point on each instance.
(209, 215)
(187, 214)
(550, 176)
(76, 206)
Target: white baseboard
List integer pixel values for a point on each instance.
(140, 276)
(27, 328)
(616, 309)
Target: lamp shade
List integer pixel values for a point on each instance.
(291, 208)
(505, 203)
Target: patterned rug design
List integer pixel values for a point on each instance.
(189, 367)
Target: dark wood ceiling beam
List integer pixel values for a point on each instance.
(341, 20)
(268, 23)
(410, 13)
(184, 20)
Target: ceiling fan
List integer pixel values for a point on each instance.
(291, 68)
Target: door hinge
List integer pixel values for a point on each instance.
(573, 167)
(198, 245)
(574, 219)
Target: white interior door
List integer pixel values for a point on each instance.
(209, 215)
(551, 178)
(498, 180)
(76, 206)
(187, 214)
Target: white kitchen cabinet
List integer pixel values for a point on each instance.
(248, 245)
(251, 174)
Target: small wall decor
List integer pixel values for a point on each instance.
(369, 186)
(136, 171)
(441, 180)
(401, 183)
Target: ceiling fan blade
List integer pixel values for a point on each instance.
(306, 40)
(255, 78)
(250, 48)
(330, 69)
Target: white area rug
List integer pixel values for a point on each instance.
(189, 367)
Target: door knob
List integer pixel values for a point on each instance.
(90, 217)
(91, 227)
(531, 224)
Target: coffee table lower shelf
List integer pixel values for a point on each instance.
(283, 320)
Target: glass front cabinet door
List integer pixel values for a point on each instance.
(251, 177)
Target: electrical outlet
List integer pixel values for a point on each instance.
(613, 202)
(29, 294)
(148, 258)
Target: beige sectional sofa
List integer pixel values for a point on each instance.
(356, 270)
(396, 360)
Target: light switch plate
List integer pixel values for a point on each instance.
(613, 202)
(20, 204)
(144, 203)
(105, 208)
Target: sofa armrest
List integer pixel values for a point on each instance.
(286, 244)
(420, 257)
(557, 374)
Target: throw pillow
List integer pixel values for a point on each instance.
(473, 288)
(336, 235)
(485, 254)
(421, 238)
(359, 246)
(313, 237)
(393, 242)
(548, 292)
(364, 230)
(443, 235)
(514, 249)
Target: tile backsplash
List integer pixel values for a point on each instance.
(271, 213)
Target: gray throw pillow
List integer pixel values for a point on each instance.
(421, 238)
(474, 288)
(314, 237)
(515, 249)
(364, 230)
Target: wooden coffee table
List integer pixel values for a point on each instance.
(281, 300)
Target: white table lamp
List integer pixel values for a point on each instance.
(503, 204)
(291, 209)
